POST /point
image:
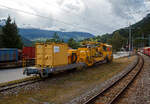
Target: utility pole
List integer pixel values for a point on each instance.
(149, 40)
(129, 37)
(142, 40)
(132, 43)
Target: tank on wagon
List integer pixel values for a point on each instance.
(51, 57)
(8, 55)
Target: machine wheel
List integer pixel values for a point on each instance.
(111, 59)
(107, 60)
(90, 61)
(72, 58)
(43, 74)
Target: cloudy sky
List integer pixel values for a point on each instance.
(94, 16)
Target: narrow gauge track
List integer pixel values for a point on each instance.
(31, 81)
(18, 84)
(113, 92)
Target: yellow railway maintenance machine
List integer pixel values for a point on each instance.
(55, 57)
(94, 52)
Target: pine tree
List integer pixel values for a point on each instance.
(1, 43)
(56, 37)
(10, 36)
(72, 43)
(117, 41)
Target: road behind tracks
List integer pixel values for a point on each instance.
(139, 91)
(111, 89)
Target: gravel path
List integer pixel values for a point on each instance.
(139, 91)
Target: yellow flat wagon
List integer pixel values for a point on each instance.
(54, 57)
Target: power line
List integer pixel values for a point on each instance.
(74, 15)
(37, 15)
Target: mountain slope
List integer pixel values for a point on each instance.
(138, 29)
(143, 26)
(140, 34)
(34, 34)
(26, 42)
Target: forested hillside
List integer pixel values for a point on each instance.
(140, 35)
(36, 34)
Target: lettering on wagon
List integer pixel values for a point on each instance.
(56, 49)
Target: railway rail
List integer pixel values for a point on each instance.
(16, 84)
(113, 92)
(23, 82)
(109, 93)
(110, 90)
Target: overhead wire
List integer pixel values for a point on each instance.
(67, 13)
(29, 13)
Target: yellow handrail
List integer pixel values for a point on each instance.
(23, 63)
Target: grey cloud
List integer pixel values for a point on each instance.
(124, 8)
(95, 16)
(25, 20)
